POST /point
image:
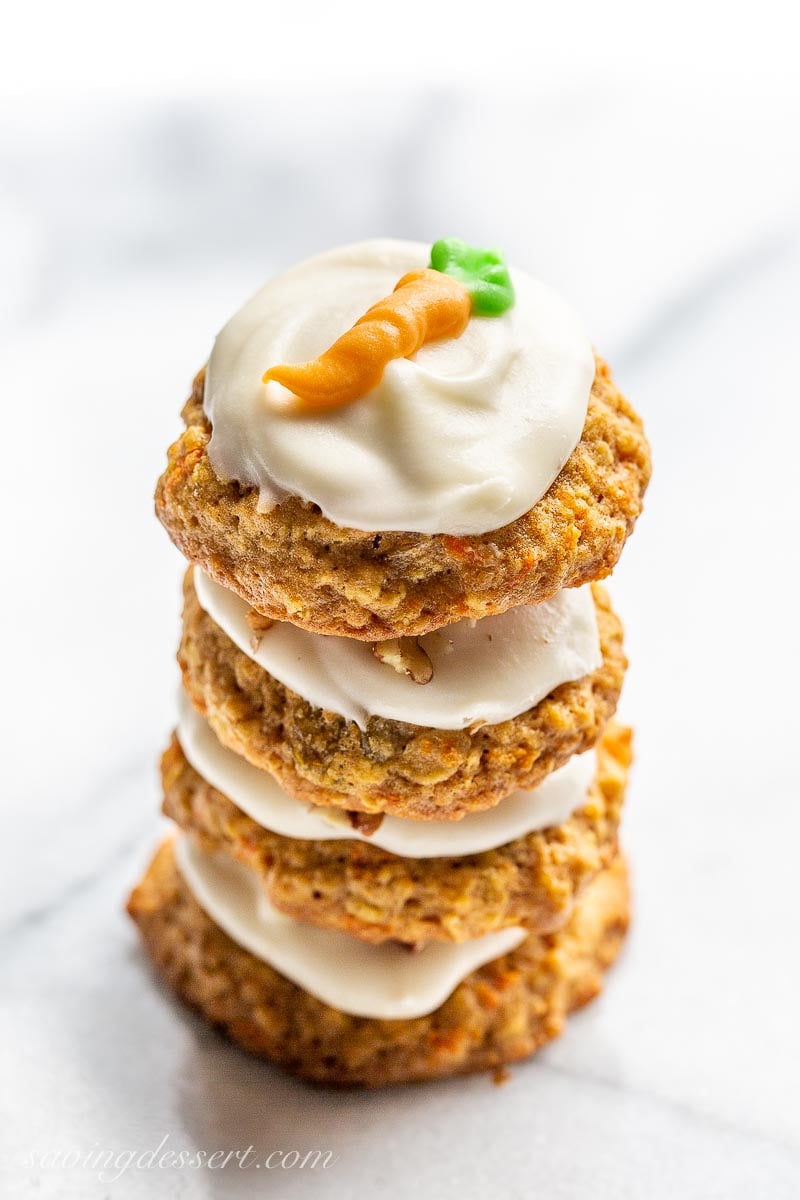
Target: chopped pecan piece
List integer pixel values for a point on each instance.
(259, 625)
(365, 823)
(406, 656)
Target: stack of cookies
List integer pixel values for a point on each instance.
(396, 777)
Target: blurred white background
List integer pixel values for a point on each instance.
(157, 163)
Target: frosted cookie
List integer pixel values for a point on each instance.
(490, 462)
(522, 863)
(334, 746)
(501, 1010)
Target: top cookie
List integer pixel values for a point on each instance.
(486, 470)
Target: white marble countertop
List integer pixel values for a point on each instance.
(126, 240)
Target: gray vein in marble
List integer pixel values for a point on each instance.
(108, 854)
(690, 1112)
(702, 294)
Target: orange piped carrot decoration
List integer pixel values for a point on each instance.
(424, 306)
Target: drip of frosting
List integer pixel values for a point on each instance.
(256, 793)
(488, 670)
(384, 982)
(462, 438)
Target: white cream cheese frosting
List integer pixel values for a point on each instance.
(257, 794)
(385, 981)
(462, 438)
(488, 670)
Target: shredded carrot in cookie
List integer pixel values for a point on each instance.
(425, 305)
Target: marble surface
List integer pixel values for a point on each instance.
(125, 240)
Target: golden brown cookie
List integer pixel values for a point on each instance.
(501, 1012)
(391, 766)
(363, 890)
(293, 564)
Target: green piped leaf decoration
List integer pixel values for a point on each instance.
(483, 272)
